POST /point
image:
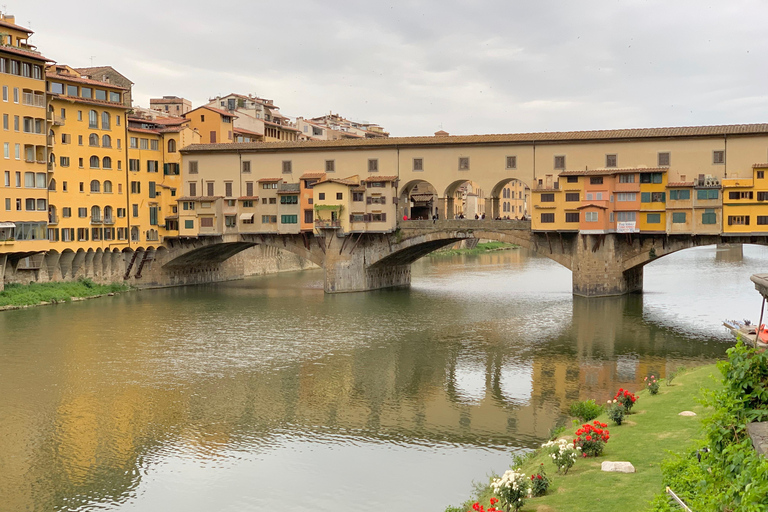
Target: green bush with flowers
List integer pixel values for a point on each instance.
(511, 488)
(627, 398)
(591, 439)
(652, 385)
(563, 454)
(616, 411)
(539, 483)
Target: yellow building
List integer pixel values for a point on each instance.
(154, 175)
(88, 194)
(24, 207)
(653, 199)
(514, 201)
(214, 125)
(356, 206)
(745, 203)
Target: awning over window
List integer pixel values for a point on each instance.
(246, 216)
(7, 225)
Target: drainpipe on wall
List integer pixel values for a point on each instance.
(725, 155)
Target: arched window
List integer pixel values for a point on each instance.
(93, 119)
(52, 184)
(52, 218)
(134, 234)
(106, 141)
(106, 162)
(94, 162)
(95, 214)
(105, 123)
(171, 146)
(107, 190)
(93, 140)
(107, 214)
(95, 186)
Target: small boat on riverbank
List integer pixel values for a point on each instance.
(748, 331)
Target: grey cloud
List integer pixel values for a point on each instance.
(470, 67)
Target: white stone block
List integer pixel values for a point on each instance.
(617, 467)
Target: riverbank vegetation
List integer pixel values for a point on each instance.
(645, 438)
(721, 470)
(36, 293)
(478, 249)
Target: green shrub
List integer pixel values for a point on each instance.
(616, 412)
(586, 411)
(731, 475)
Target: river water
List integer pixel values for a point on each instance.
(267, 394)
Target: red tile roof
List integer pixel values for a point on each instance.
(4, 23)
(512, 138)
(375, 179)
(680, 184)
(351, 181)
(312, 175)
(248, 198)
(213, 109)
(199, 198)
(247, 132)
(270, 180)
(24, 53)
(760, 166)
(143, 130)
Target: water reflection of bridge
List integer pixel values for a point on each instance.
(102, 428)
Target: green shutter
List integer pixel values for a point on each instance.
(712, 194)
(673, 195)
(645, 197)
(684, 195)
(189, 224)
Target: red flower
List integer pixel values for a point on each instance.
(589, 438)
(495, 500)
(476, 506)
(538, 476)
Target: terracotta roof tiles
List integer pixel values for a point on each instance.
(511, 138)
(24, 53)
(680, 184)
(375, 179)
(270, 180)
(312, 175)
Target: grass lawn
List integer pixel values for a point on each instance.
(644, 439)
(35, 293)
(481, 248)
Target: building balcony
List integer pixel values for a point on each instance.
(51, 166)
(53, 219)
(547, 186)
(58, 120)
(96, 220)
(33, 100)
(327, 224)
(50, 140)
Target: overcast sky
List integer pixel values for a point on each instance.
(417, 66)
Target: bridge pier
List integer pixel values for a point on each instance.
(346, 267)
(598, 267)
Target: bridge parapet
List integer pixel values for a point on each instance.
(464, 224)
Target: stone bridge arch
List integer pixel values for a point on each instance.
(419, 238)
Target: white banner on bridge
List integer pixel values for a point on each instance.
(625, 227)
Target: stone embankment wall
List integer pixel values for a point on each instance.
(105, 268)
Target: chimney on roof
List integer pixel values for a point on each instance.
(441, 133)
(10, 18)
